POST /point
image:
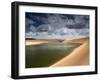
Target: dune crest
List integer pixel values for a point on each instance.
(80, 40)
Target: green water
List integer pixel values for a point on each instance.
(46, 54)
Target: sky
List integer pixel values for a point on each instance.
(56, 26)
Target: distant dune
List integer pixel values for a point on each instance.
(30, 42)
(43, 41)
(38, 41)
(80, 56)
(80, 40)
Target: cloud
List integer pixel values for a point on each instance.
(55, 26)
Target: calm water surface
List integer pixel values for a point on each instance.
(46, 54)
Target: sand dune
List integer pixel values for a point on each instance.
(38, 42)
(80, 56)
(81, 40)
(74, 41)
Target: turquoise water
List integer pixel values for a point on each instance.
(46, 54)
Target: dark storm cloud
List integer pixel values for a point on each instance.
(59, 26)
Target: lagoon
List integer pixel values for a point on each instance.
(44, 55)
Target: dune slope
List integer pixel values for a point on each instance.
(80, 56)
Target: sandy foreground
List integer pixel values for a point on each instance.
(80, 56)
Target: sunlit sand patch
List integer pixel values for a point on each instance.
(36, 43)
